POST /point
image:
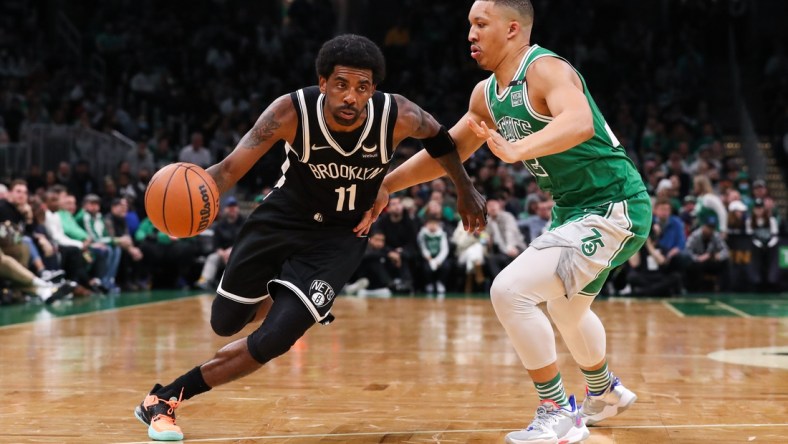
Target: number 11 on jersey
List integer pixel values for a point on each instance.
(351, 200)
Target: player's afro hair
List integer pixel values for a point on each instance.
(354, 51)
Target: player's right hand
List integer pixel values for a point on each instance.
(371, 215)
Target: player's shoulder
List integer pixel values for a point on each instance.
(478, 100)
(549, 68)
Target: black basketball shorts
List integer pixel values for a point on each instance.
(279, 245)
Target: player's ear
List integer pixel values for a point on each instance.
(514, 28)
(322, 84)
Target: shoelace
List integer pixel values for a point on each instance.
(173, 405)
(544, 415)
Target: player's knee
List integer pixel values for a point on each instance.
(500, 293)
(508, 291)
(223, 327)
(267, 343)
(228, 317)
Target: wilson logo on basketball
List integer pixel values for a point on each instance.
(205, 212)
(321, 293)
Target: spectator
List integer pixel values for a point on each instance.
(168, 260)
(225, 230)
(163, 155)
(762, 226)
(709, 257)
(82, 182)
(470, 251)
(19, 276)
(709, 204)
(506, 241)
(129, 274)
(73, 253)
(400, 230)
(687, 214)
(378, 270)
(647, 275)
(95, 256)
(50, 261)
(760, 191)
(140, 157)
(14, 212)
(196, 152)
(672, 237)
(437, 208)
(103, 247)
(534, 225)
(740, 245)
(434, 246)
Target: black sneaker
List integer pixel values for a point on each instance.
(159, 415)
(62, 290)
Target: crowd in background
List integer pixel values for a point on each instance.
(187, 86)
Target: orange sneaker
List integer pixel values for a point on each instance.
(159, 415)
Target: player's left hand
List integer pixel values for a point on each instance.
(371, 215)
(502, 148)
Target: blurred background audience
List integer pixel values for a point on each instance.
(96, 96)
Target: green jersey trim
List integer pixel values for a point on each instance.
(528, 105)
(517, 75)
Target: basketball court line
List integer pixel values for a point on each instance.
(733, 310)
(453, 431)
(101, 311)
(673, 309)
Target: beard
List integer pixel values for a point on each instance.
(343, 119)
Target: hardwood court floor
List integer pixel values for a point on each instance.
(407, 370)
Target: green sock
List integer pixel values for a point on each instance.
(553, 390)
(598, 380)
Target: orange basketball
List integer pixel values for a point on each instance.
(182, 199)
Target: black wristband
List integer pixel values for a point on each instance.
(440, 144)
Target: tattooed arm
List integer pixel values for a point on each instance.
(414, 122)
(277, 122)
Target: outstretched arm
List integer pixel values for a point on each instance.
(441, 156)
(423, 168)
(276, 123)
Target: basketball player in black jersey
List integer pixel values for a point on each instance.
(300, 245)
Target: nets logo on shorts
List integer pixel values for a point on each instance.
(321, 293)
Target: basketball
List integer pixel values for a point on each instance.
(182, 199)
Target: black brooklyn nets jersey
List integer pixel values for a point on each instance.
(334, 177)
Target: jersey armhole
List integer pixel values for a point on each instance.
(388, 122)
(300, 145)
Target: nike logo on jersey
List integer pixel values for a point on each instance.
(369, 149)
(318, 148)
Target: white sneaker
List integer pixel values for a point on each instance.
(440, 288)
(375, 293)
(52, 275)
(356, 287)
(552, 425)
(51, 293)
(600, 406)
